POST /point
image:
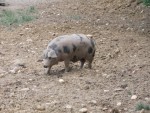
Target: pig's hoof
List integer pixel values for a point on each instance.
(47, 73)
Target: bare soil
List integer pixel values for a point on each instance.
(121, 68)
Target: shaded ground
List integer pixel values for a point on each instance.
(121, 67)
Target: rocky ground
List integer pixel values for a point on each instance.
(120, 77)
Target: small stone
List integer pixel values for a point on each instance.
(54, 34)
(143, 29)
(105, 91)
(134, 97)
(83, 105)
(61, 81)
(21, 34)
(142, 111)
(27, 28)
(83, 110)
(1, 75)
(40, 107)
(14, 70)
(29, 40)
(147, 99)
(12, 94)
(105, 109)
(19, 62)
(86, 87)
(118, 103)
(107, 24)
(55, 102)
(123, 85)
(89, 36)
(125, 109)
(93, 102)
(118, 89)
(24, 89)
(68, 106)
(97, 71)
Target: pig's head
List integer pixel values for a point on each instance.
(49, 58)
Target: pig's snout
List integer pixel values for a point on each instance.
(45, 66)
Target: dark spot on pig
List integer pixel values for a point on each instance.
(90, 50)
(66, 49)
(75, 59)
(74, 47)
(93, 54)
(92, 43)
(53, 46)
(80, 38)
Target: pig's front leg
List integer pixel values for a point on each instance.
(48, 71)
(67, 68)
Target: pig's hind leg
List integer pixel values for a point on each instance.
(67, 68)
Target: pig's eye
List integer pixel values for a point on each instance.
(49, 58)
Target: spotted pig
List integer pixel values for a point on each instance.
(69, 48)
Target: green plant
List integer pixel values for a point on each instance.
(141, 106)
(146, 2)
(32, 9)
(8, 17)
(129, 93)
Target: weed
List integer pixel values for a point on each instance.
(141, 106)
(146, 2)
(8, 17)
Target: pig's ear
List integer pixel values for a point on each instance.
(52, 54)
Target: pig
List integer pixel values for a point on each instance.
(69, 48)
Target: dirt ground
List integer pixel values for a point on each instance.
(121, 68)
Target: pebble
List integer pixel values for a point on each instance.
(83, 105)
(118, 89)
(61, 81)
(40, 107)
(142, 111)
(86, 87)
(14, 70)
(68, 106)
(97, 71)
(147, 99)
(124, 85)
(24, 89)
(105, 109)
(83, 110)
(29, 40)
(19, 62)
(93, 102)
(134, 97)
(118, 103)
(105, 91)
(107, 24)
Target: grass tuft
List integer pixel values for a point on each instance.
(141, 106)
(9, 17)
(146, 2)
